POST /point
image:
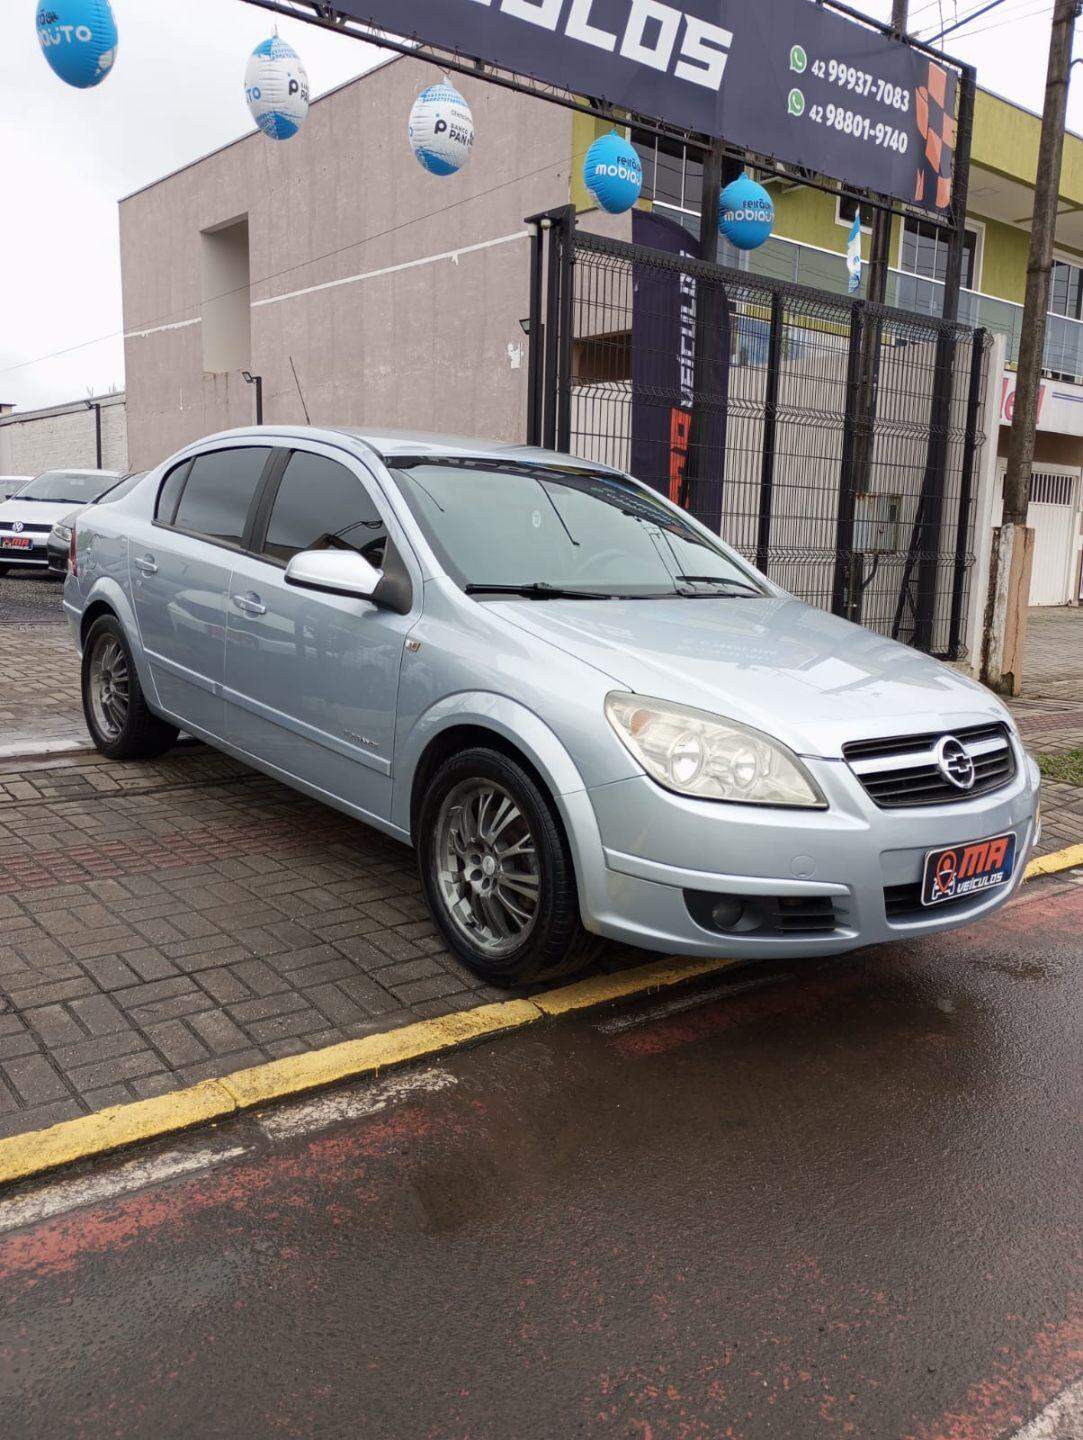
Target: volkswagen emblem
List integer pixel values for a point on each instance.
(18, 527)
(955, 764)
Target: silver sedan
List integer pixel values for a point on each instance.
(588, 715)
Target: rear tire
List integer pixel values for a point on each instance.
(497, 872)
(120, 722)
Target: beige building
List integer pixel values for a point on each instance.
(396, 295)
(64, 436)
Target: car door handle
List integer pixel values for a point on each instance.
(251, 604)
(147, 564)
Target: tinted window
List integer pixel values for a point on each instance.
(126, 486)
(218, 493)
(172, 485)
(322, 505)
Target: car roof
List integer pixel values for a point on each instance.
(389, 444)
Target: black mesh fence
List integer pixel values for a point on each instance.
(834, 444)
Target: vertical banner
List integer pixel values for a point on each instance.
(853, 255)
(664, 375)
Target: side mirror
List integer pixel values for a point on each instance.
(334, 572)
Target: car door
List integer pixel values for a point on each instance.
(180, 568)
(312, 679)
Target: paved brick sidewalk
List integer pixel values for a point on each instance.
(39, 668)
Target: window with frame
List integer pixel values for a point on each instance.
(1066, 290)
(321, 505)
(671, 176)
(925, 251)
(847, 209)
(218, 493)
(169, 493)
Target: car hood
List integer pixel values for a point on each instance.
(807, 677)
(33, 512)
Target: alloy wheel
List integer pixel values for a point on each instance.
(110, 683)
(487, 866)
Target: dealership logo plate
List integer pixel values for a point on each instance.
(963, 871)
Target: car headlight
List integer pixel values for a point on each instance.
(62, 533)
(708, 757)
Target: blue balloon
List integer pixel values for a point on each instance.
(79, 40)
(613, 173)
(747, 213)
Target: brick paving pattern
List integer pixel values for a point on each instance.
(166, 921)
(39, 669)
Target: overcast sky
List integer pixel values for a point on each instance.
(176, 93)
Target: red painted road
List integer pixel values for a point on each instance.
(844, 1202)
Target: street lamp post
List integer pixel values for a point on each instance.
(257, 381)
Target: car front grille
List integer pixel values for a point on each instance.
(903, 902)
(28, 530)
(902, 770)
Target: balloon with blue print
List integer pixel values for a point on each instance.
(747, 213)
(441, 129)
(276, 88)
(613, 173)
(79, 40)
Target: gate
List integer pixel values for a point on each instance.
(833, 443)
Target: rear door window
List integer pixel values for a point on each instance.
(219, 492)
(320, 505)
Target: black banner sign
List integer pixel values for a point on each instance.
(664, 313)
(784, 78)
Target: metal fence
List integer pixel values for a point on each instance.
(833, 443)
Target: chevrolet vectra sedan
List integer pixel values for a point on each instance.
(587, 714)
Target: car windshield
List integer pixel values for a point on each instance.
(549, 531)
(68, 487)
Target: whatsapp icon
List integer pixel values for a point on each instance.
(796, 103)
(798, 59)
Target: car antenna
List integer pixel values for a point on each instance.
(300, 392)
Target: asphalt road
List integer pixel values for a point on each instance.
(825, 1200)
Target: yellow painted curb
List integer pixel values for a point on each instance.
(373, 1053)
(600, 989)
(1051, 864)
(30, 1154)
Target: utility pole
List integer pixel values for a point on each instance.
(880, 246)
(1004, 641)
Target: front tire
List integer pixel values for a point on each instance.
(497, 873)
(120, 722)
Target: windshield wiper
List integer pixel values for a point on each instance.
(741, 585)
(539, 590)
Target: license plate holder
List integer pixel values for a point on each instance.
(961, 872)
(16, 542)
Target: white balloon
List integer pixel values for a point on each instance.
(276, 88)
(441, 129)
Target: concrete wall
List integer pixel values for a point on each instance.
(63, 435)
(397, 294)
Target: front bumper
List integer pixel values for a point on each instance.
(655, 847)
(36, 558)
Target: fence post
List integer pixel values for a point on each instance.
(770, 425)
(535, 339)
(966, 485)
(844, 526)
(566, 232)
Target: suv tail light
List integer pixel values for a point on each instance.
(73, 567)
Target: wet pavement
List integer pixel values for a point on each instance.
(818, 1200)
